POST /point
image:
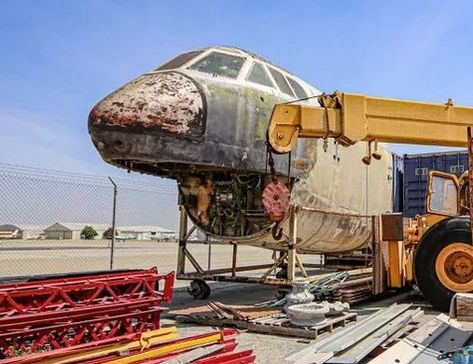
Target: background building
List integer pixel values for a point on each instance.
(59, 231)
(20, 231)
(145, 233)
(73, 231)
(9, 231)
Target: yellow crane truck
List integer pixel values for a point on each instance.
(440, 240)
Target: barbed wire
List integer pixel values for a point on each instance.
(42, 174)
(56, 221)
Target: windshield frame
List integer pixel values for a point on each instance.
(241, 71)
(196, 54)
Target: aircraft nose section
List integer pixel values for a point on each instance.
(161, 103)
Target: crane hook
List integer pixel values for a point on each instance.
(277, 232)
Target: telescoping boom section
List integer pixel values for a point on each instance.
(352, 118)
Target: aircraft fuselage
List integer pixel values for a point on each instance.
(201, 119)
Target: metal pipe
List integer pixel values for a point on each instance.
(209, 252)
(291, 256)
(234, 259)
(246, 268)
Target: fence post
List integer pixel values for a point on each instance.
(209, 253)
(112, 247)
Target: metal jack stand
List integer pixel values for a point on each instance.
(199, 288)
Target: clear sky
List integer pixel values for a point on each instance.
(57, 58)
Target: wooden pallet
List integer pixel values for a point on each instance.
(462, 306)
(278, 325)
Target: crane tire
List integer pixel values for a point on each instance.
(440, 238)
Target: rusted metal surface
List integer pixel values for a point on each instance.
(170, 101)
(392, 227)
(193, 126)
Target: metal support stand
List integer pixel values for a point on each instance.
(276, 264)
(181, 255)
(291, 256)
(234, 258)
(268, 276)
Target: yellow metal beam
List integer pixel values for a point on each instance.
(169, 348)
(352, 118)
(148, 339)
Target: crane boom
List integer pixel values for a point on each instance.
(440, 248)
(351, 118)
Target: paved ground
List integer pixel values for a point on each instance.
(35, 257)
(273, 349)
(18, 258)
(38, 257)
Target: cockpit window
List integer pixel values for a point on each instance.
(259, 75)
(179, 60)
(220, 64)
(281, 81)
(297, 88)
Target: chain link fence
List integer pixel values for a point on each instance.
(59, 222)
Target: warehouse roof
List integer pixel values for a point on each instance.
(9, 227)
(75, 226)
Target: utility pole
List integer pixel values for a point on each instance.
(112, 248)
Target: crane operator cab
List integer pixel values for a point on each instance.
(444, 253)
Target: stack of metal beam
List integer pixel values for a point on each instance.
(438, 340)
(152, 347)
(355, 288)
(55, 313)
(353, 344)
(102, 318)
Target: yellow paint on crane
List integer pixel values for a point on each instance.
(351, 118)
(396, 264)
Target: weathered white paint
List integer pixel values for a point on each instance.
(345, 186)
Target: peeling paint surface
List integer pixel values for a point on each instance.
(342, 187)
(170, 101)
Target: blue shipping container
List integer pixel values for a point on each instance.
(416, 169)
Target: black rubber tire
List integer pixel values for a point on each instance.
(199, 289)
(206, 290)
(282, 272)
(448, 231)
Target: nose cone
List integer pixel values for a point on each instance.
(160, 103)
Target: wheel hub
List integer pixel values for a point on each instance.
(454, 267)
